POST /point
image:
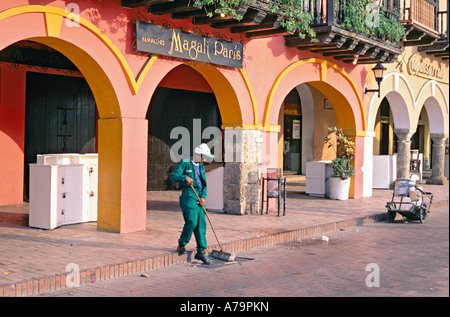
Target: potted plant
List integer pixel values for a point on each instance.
(342, 170)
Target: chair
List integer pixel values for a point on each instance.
(273, 186)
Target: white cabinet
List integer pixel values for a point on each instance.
(63, 190)
(90, 163)
(384, 171)
(317, 178)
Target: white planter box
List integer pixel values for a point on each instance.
(317, 176)
(214, 199)
(384, 171)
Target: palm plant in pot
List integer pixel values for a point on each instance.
(342, 170)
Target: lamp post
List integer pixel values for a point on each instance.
(378, 72)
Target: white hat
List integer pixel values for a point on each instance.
(203, 149)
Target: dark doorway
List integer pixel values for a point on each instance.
(292, 132)
(60, 117)
(385, 118)
(170, 108)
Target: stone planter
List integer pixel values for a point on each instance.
(339, 188)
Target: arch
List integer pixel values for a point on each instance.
(103, 67)
(323, 75)
(228, 100)
(45, 27)
(435, 116)
(338, 87)
(434, 89)
(53, 21)
(226, 97)
(433, 98)
(399, 96)
(398, 91)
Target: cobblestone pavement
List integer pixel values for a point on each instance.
(401, 259)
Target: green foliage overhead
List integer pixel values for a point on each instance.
(366, 17)
(295, 18)
(360, 16)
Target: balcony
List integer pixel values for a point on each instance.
(330, 22)
(439, 48)
(420, 20)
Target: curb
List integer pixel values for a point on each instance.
(57, 282)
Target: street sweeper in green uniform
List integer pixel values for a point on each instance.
(191, 172)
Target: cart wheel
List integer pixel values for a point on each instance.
(423, 215)
(391, 216)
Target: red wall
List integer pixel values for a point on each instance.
(12, 130)
(185, 77)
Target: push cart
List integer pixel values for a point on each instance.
(409, 200)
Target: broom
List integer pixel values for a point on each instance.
(221, 255)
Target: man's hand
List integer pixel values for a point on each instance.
(189, 180)
(201, 202)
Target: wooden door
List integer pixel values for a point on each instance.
(60, 117)
(170, 108)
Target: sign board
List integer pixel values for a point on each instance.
(295, 129)
(156, 39)
(424, 67)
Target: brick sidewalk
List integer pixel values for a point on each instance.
(34, 261)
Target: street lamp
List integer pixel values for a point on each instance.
(378, 72)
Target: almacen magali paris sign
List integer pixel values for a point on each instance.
(156, 39)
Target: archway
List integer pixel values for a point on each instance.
(341, 92)
(398, 98)
(181, 109)
(324, 76)
(97, 62)
(217, 95)
(433, 136)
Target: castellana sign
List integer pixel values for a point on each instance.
(418, 66)
(156, 39)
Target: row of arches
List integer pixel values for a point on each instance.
(407, 105)
(123, 98)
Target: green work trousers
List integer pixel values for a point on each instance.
(194, 220)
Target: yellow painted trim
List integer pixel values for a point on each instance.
(105, 96)
(53, 24)
(242, 126)
(110, 135)
(145, 70)
(226, 97)
(323, 72)
(272, 128)
(49, 11)
(353, 133)
(252, 95)
(268, 128)
(322, 63)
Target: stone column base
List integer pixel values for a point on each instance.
(241, 190)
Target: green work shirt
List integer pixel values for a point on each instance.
(186, 168)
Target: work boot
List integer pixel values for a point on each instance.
(181, 250)
(201, 256)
